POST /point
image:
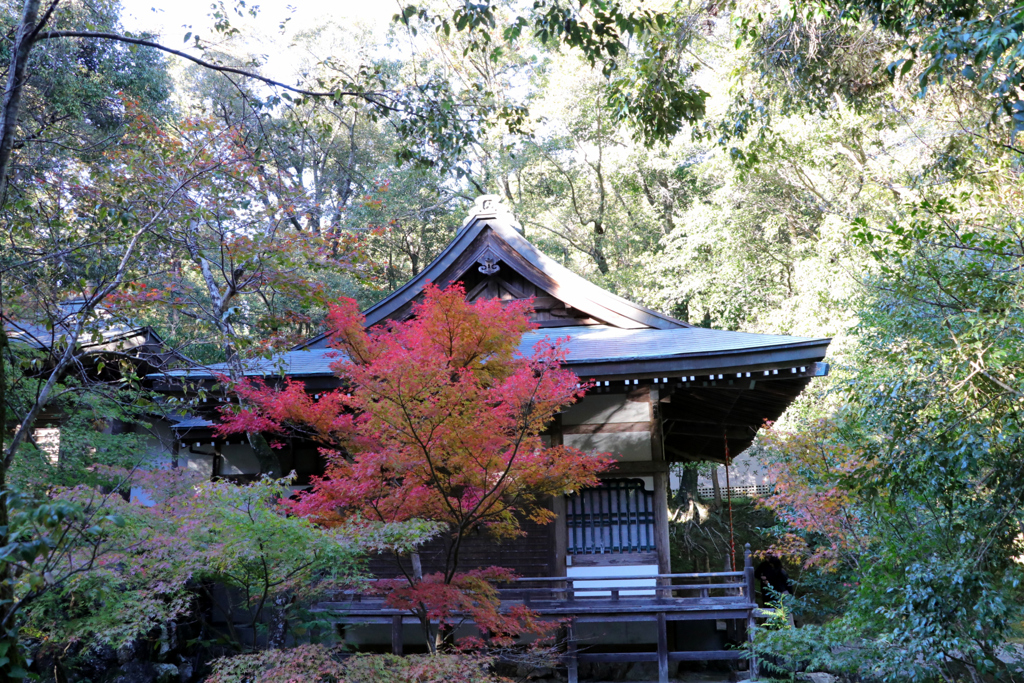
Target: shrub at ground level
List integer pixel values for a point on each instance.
(322, 664)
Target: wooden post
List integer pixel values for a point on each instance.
(662, 648)
(396, 635)
(748, 572)
(661, 535)
(561, 530)
(572, 656)
(748, 575)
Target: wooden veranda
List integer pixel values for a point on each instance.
(652, 598)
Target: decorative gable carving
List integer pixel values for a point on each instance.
(491, 258)
(488, 265)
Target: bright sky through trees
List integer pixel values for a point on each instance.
(263, 35)
(171, 18)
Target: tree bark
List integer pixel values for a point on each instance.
(8, 617)
(15, 85)
(9, 108)
(270, 464)
(598, 253)
(688, 479)
(279, 622)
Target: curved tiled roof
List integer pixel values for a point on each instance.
(585, 345)
(627, 333)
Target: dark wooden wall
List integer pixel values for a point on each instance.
(529, 555)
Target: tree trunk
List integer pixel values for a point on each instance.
(688, 478)
(15, 84)
(717, 487)
(417, 566)
(598, 253)
(279, 622)
(8, 611)
(270, 464)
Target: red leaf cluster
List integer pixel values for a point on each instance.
(441, 419)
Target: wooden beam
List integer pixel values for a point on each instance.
(636, 468)
(684, 429)
(396, 635)
(571, 653)
(679, 656)
(662, 649)
(661, 535)
(706, 655)
(607, 428)
(748, 571)
(558, 507)
(614, 560)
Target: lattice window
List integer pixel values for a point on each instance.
(615, 517)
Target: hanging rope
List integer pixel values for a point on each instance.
(728, 493)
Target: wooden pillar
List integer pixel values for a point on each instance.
(573, 663)
(561, 535)
(748, 576)
(662, 649)
(396, 635)
(561, 530)
(661, 536)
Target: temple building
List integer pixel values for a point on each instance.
(664, 392)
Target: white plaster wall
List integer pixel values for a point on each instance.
(614, 571)
(158, 451)
(745, 470)
(159, 443)
(600, 409)
(48, 440)
(606, 408)
(200, 464)
(625, 446)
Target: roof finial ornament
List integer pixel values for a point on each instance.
(490, 206)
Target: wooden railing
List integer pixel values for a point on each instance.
(538, 591)
(598, 599)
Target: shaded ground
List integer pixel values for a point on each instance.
(700, 539)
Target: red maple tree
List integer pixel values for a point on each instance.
(440, 419)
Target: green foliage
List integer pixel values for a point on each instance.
(640, 54)
(419, 669)
(978, 44)
(75, 91)
(307, 662)
(931, 488)
(855, 174)
(142, 565)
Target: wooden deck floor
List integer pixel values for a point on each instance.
(664, 598)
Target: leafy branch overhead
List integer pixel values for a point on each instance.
(640, 53)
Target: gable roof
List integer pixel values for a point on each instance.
(105, 333)
(491, 240)
(490, 232)
(715, 383)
